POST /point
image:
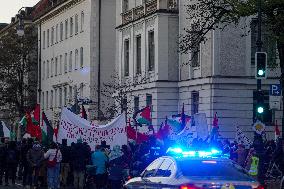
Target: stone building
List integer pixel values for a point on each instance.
(217, 78)
(75, 52)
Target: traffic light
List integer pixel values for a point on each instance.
(261, 65)
(260, 108)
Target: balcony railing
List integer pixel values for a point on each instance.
(148, 7)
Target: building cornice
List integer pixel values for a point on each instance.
(56, 10)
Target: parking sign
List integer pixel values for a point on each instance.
(275, 90)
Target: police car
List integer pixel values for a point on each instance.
(193, 170)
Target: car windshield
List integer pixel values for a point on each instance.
(212, 169)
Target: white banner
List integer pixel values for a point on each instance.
(200, 121)
(72, 127)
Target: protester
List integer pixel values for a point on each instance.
(25, 147)
(35, 157)
(11, 162)
(2, 159)
(100, 160)
(78, 160)
(65, 164)
(115, 167)
(54, 157)
(241, 155)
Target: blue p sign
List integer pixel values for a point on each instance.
(275, 90)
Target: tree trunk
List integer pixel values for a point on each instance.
(280, 46)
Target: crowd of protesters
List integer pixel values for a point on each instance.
(77, 166)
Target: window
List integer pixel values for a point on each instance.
(47, 40)
(47, 69)
(70, 93)
(166, 169)
(60, 65)
(138, 54)
(55, 97)
(76, 24)
(82, 21)
(51, 67)
(51, 99)
(81, 57)
(124, 105)
(194, 102)
(266, 116)
(56, 34)
(43, 70)
(195, 52)
(43, 40)
(52, 35)
(65, 63)
(61, 31)
(149, 100)
(71, 26)
(125, 6)
(42, 100)
(126, 57)
(76, 59)
(60, 97)
(47, 100)
(151, 169)
(66, 29)
(70, 62)
(136, 103)
(151, 51)
(65, 96)
(56, 66)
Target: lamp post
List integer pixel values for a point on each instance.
(20, 32)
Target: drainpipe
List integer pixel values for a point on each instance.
(99, 62)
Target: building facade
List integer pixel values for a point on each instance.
(218, 78)
(71, 60)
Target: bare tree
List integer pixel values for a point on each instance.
(119, 93)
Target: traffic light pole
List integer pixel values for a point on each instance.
(259, 42)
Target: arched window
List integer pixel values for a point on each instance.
(61, 31)
(47, 69)
(60, 65)
(70, 62)
(76, 24)
(71, 26)
(76, 59)
(81, 57)
(82, 21)
(43, 70)
(65, 63)
(51, 68)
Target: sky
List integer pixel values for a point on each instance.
(9, 8)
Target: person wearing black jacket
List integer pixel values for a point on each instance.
(12, 159)
(65, 163)
(2, 158)
(78, 161)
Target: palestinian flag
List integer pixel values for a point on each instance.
(143, 116)
(4, 131)
(34, 117)
(47, 130)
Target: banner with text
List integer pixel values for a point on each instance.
(72, 127)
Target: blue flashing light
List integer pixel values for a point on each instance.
(179, 152)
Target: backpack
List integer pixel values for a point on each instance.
(11, 156)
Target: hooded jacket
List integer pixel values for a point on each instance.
(35, 156)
